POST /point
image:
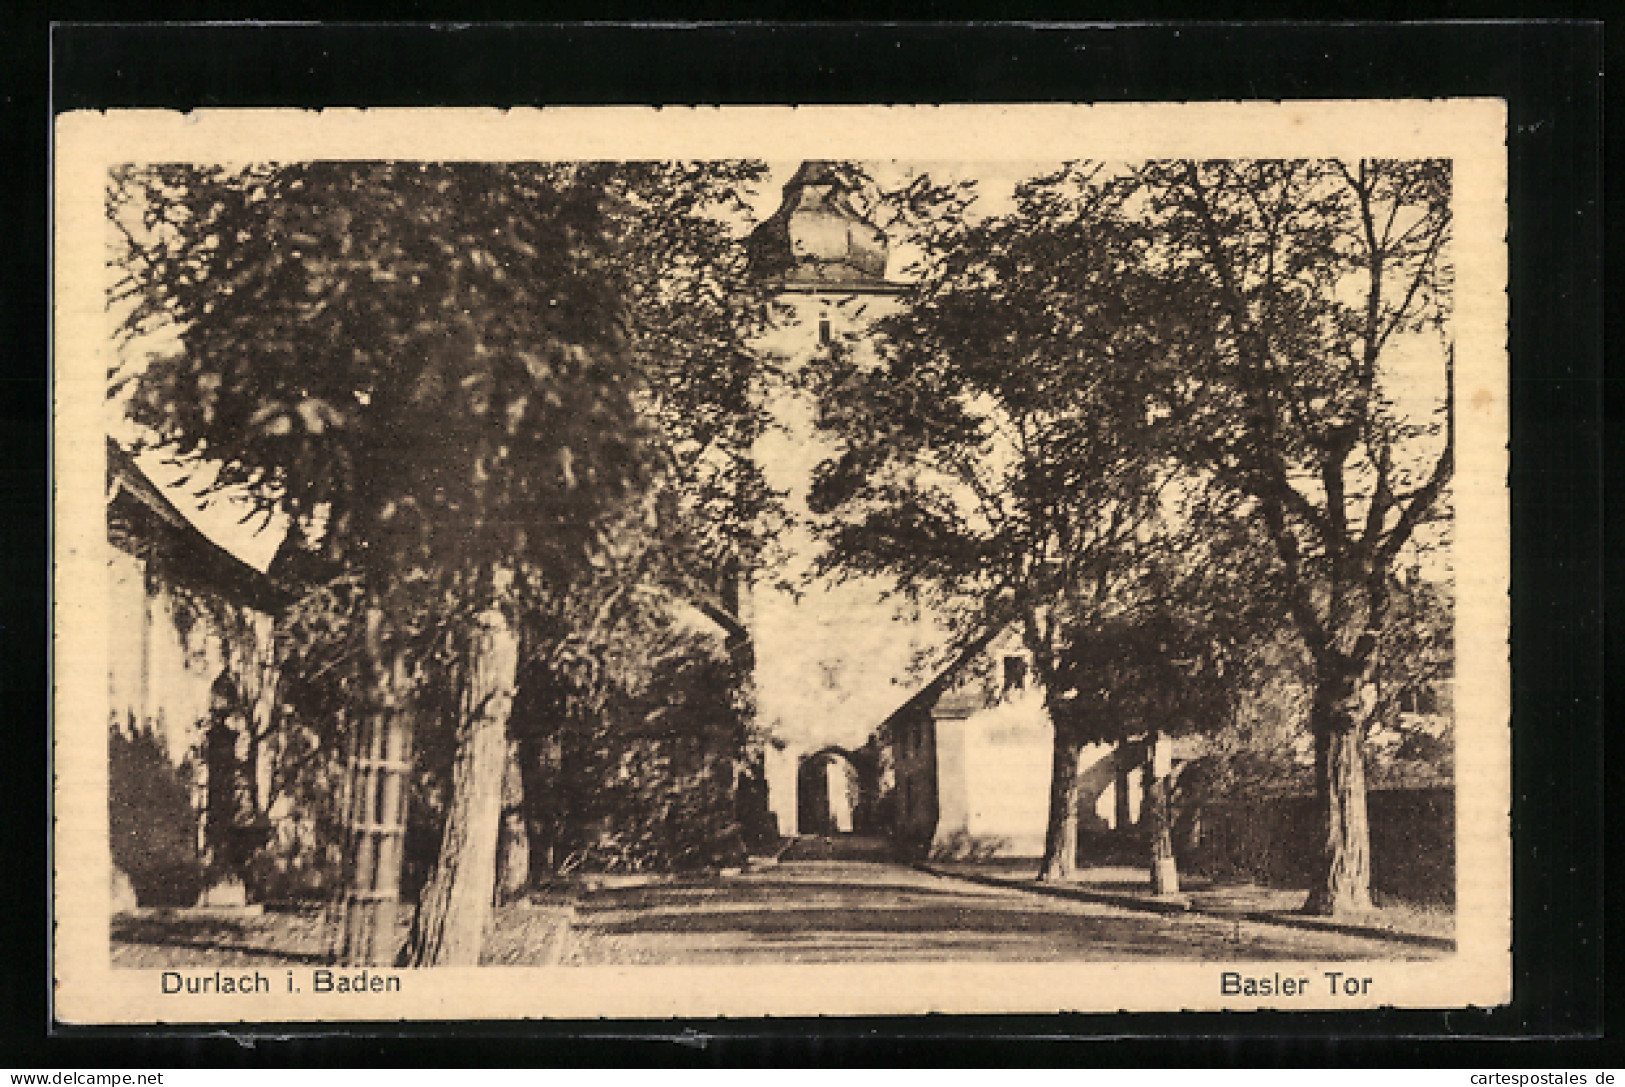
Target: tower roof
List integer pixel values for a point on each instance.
(818, 239)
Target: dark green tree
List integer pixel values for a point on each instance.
(152, 826)
(1312, 298)
(1001, 460)
(463, 384)
(695, 305)
(1147, 675)
(636, 664)
(436, 369)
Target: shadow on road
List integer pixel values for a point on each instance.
(866, 912)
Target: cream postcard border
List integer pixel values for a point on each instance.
(1470, 131)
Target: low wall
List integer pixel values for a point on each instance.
(1269, 841)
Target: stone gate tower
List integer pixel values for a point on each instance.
(831, 658)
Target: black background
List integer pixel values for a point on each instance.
(1548, 72)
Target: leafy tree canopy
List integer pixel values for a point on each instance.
(1315, 293)
(430, 358)
(434, 367)
(1001, 452)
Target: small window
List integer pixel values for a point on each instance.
(1015, 674)
(832, 674)
(823, 332)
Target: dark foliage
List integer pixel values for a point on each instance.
(429, 359)
(152, 826)
(1157, 671)
(650, 780)
(440, 369)
(1261, 839)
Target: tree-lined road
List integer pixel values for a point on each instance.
(1146, 419)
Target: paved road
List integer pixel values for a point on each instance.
(866, 911)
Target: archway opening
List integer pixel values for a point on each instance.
(828, 791)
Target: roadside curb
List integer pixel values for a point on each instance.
(1133, 902)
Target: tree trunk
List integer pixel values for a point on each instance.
(513, 848)
(1158, 813)
(1343, 871)
(1061, 835)
(376, 782)
(455, 908)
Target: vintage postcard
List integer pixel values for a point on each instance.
(619, 562)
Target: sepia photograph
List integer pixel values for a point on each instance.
(618, 562)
